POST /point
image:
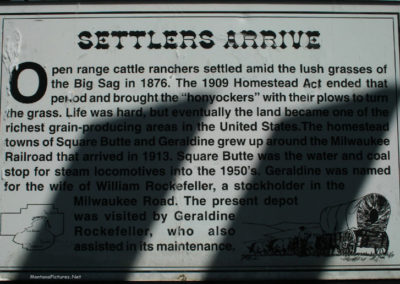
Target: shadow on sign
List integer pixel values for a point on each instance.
(314, 203)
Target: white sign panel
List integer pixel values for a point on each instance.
(199, 142)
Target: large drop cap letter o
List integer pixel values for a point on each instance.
(42, 82)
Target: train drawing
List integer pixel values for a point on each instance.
(343, 230)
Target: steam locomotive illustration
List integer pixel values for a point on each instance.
(343, 230)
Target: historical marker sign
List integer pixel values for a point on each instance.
(199, 142)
